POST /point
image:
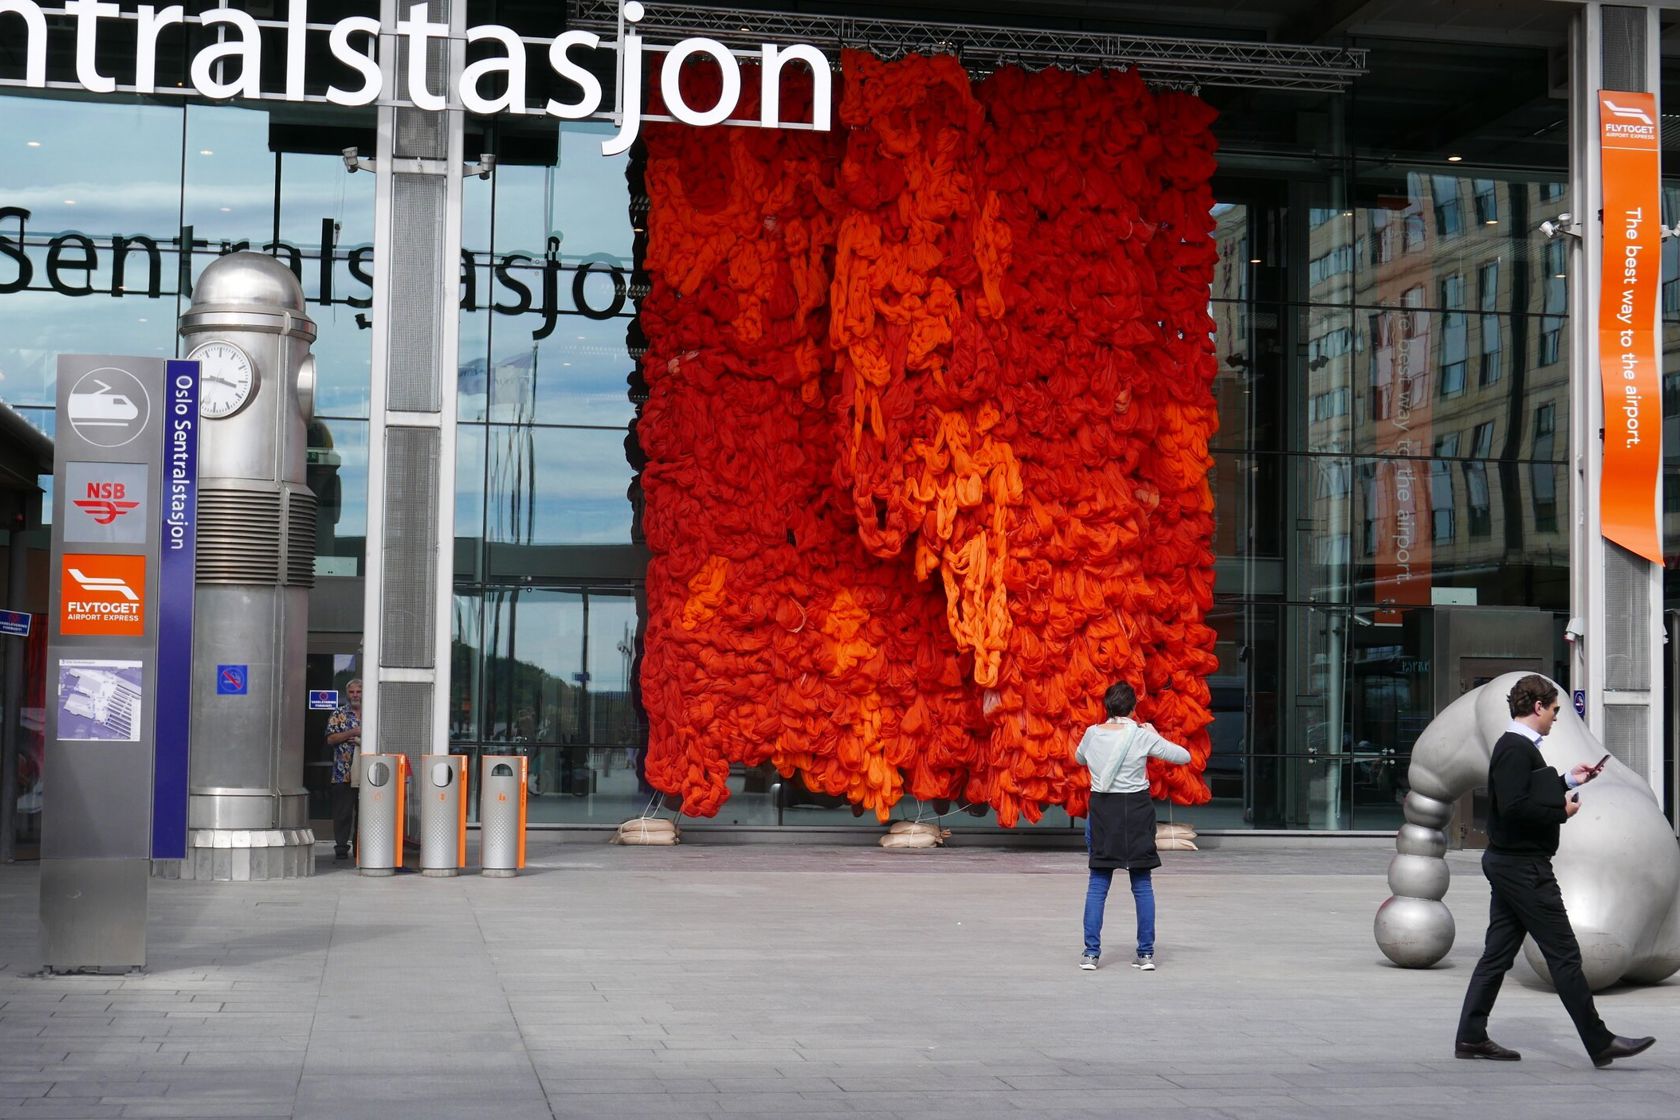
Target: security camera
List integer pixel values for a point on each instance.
(1574, 630)
(351, 163)
(485, 165)
(1563, 226)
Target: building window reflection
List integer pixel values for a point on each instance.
(1553, 305)
(1477, 502)
(1411, 233)
(1455, 334)
(1487, 202)
(1543, 474)
(1487, 284)
(1441, 524)
(1449, 212)
(1382, 247)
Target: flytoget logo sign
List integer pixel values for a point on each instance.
(102, 595)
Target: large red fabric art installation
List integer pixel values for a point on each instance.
(929, 402)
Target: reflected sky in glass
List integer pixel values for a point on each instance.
(469, 481)
(348, 455)
(557, 486)
(584, 201)
(108, 169)
(64, 160)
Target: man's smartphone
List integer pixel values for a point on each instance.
(1601, 763)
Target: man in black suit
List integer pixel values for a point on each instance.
(1528, 803)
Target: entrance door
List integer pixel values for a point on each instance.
(334, 660)
(556, 686)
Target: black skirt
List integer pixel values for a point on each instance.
(1123, 831)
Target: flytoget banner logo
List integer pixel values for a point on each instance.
(102, 595)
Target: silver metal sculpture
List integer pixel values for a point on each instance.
(1617, 863)
(246, 813)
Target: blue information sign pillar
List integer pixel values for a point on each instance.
(115, 762)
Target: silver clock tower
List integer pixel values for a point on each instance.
(247, 816)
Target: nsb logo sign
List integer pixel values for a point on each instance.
(104, 502)
(102, 595)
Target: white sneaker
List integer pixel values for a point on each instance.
(1088, 963)
(1145, 963)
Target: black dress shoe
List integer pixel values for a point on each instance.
(1487, 1048)
(1621, 1048)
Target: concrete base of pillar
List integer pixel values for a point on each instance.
(226, 855)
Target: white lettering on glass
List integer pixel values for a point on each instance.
(231, 65)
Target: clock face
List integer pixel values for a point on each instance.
(226, 378)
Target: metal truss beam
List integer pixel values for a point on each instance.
(982, 49)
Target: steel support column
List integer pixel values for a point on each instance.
(1615, 596)
(411, 419)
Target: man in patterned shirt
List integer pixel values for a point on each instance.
(344, 736)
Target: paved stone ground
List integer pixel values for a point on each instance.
(802, 981)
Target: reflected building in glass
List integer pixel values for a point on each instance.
(1391, 330)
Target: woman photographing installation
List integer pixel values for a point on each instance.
(1120, 828)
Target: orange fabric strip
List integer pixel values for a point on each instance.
(1627, 338)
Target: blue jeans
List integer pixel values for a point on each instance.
(1096, 898)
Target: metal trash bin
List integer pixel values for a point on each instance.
(380, 813)
(501, 814)
(443, 814)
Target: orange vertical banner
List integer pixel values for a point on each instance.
(1401, 409)
(1627, 329)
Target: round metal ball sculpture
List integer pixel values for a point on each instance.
(1414, 932)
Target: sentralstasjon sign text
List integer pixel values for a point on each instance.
(232, 67)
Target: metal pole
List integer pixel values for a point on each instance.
(1586, 665)
(17, 578)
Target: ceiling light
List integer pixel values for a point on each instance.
(205, 152)
(227, 209)
(69, 202)
(32, 143)
(1455, 159)
(1255, 260)
(1491, 222)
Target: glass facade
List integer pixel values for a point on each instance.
(1394, 395)
(1392, 390)
(92, 267)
